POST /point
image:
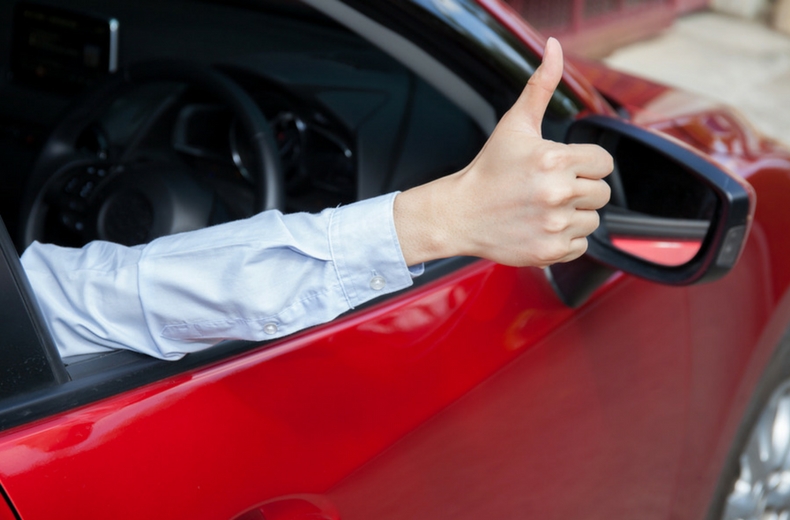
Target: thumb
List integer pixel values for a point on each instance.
(531, 105)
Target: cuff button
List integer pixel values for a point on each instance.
(270, 329)
(377, 283)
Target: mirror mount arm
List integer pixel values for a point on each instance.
(574, 282)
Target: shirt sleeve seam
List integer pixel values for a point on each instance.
(335, 264)
(267, 318)
(148, 327)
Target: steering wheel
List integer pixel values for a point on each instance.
(129, 200)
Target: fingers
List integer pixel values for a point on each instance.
(531, 105)
(573, 242)
(572, 175)
(585, 222)
(591, 194)
(593, 162)
(577, 248)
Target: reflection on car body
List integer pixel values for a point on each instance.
(616, 386)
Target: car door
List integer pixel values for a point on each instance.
(478, 393)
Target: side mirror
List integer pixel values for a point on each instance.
(675, 217)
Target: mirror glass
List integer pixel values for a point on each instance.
(659, 212)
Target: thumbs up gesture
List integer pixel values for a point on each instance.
(523, 201)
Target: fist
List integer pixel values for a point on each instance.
(523, 201)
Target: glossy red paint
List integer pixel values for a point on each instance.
(5, 512)
(760, 321)
(333, 398)
(447, 385)
(596, 28)
(577, 83)
(478, 395)
(627, 90)
(313, 507)
(340, 395)
(709, 126)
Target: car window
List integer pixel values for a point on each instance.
(352, 120)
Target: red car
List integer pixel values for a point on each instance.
(649, 379)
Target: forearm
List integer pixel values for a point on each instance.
(257, 279)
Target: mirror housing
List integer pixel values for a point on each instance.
(675, 217)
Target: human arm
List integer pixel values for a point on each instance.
(523, 201)
(255, 279)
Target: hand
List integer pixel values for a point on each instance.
(523, 201)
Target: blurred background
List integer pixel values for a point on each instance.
(734, 51)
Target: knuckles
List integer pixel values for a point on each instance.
(536, 187)
(555, 223)
(553, 157)
(556, 253)
(556, 195)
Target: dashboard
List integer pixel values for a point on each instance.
(349, 121)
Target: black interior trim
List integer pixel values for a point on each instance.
(28, 357)
(640, 225)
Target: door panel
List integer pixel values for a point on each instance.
(590, 420)
(290, 419)
(478, 395)
(6, 513)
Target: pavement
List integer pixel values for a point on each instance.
(738, 61)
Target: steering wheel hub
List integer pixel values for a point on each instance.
(126, 218)
(148, 200)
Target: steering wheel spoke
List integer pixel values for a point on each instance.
(73, 199)
(66, 197)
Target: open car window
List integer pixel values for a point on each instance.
(352, 120)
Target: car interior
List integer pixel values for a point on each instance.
(125, 121)
(348, 121)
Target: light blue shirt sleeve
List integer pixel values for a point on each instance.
(254, 279)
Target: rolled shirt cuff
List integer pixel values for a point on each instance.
(366, 252)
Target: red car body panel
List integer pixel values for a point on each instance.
(559, 401)
(478, 395)
(6, 513)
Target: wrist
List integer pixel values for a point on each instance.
(422, 221)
